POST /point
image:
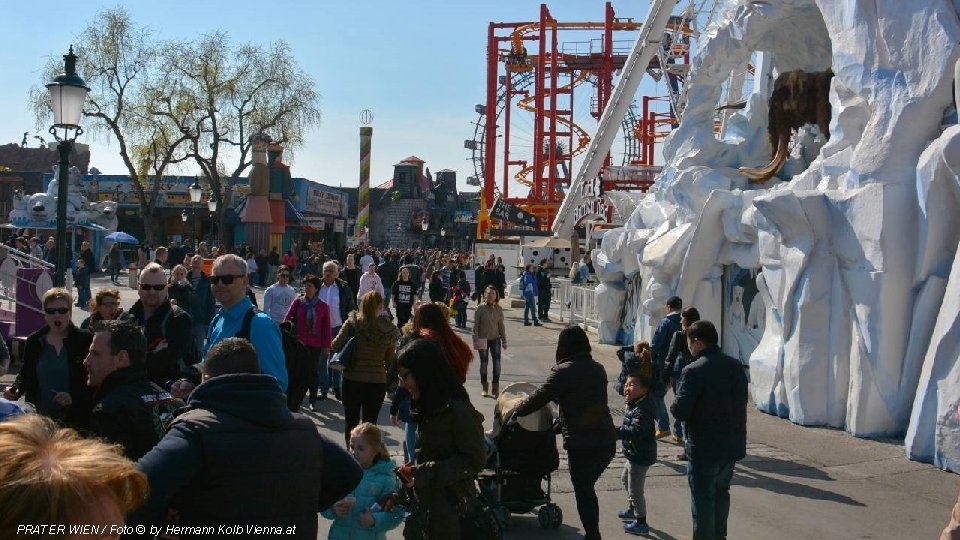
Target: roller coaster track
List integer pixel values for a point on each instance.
(583, 138)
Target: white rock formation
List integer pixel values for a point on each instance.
(854, 251)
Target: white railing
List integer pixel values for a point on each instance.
(576, 302)
(12, 260)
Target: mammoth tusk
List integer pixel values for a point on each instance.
(762, 174)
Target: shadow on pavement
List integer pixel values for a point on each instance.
(784, 467)
(753, 479)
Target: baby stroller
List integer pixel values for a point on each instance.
(523, 454)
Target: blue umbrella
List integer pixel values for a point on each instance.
(121, 237)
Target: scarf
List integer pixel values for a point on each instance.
(311, 313)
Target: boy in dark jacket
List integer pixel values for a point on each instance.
(640, 449)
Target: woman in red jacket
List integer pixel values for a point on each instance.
(311, 320)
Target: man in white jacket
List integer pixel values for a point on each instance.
(370, 281)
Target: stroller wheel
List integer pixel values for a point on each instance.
(544, 516)
(503, 516)
(557, 516)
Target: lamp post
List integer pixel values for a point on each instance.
(196, 193)
(212, 206)
(443, 233)
(67, 95)
(424, 225)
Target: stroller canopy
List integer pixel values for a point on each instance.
(507, 401)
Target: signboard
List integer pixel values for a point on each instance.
(505, 211)
(339, 225)
(464, 216)
(591, 202)
(322, 201)
(318, 223)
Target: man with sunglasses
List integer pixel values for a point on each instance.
(168, 328)
(230, 281)
(278, 297)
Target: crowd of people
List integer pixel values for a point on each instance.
(193, 371)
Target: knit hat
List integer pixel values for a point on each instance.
(573, 340)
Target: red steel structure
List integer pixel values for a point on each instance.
(556, 138)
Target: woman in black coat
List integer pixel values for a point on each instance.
(53, 378)
(579, 384)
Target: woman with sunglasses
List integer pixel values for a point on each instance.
(53, 378)
(450, 444)
(105, 306)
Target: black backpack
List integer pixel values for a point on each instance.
(296, 356)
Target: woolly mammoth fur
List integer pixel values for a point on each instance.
(799, 98)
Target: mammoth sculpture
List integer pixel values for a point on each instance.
(799, 98)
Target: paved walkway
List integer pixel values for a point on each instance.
(796, 483)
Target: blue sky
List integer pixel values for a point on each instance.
(419, 66)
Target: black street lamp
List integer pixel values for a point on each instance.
(212, 206)
(443, 233)
(67, 95)
(196, 193)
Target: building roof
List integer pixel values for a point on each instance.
(412, 159)
(386, 185)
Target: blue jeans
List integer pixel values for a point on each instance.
(663, 420)
(328, 378)
(678, 427)
(709, 498)
(530, 306)
(493, 349)
(323, 376)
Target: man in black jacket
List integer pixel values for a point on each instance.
(237, 456)
(544, 286)
(659, 347)
(129, 410)
(168, 329)
(712, 399)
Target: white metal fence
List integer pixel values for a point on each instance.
(575, 302)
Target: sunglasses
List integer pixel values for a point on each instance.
(226, 280)
(56, 310)
(149, 287)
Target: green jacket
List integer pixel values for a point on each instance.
(450, 453)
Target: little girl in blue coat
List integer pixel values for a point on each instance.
(362, 518)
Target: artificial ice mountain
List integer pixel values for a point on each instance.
(837, 280)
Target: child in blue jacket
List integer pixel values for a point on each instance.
(640, 449)
(360, 515)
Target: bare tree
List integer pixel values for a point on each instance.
(116, 58)
(219, 96)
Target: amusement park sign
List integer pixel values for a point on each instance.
(590, 202)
